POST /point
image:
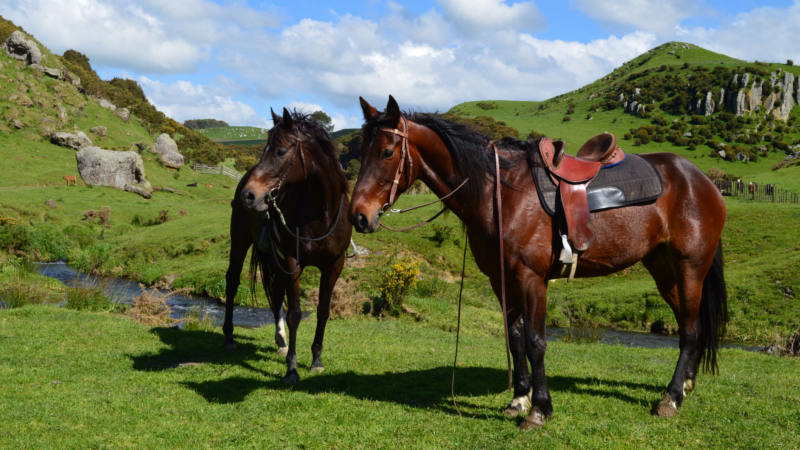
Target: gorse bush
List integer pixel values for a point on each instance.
(395, 284)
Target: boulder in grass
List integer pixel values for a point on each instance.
(166, 147)
(99, 131)
(120, 170)
(18, 46)
(74, 141)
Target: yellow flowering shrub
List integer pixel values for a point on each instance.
(396, 282)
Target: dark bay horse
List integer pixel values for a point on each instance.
(290, 208)
(676, 237)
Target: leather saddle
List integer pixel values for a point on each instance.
(572, 175)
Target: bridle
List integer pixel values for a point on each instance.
(271, 197)
(405, 159)
(274, 196)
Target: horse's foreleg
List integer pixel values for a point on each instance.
(293, 316)
(240, 243)
(277, 290)
(535, 346)
(521, 402)
(326, 283)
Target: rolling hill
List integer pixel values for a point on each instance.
(668, 82)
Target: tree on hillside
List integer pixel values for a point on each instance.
(324, 119)
(198, 124)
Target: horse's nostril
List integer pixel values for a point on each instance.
(362, 222)
(248, 197)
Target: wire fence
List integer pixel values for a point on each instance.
(756, 192)
(217, 170)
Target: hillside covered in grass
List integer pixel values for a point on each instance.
(738, 117)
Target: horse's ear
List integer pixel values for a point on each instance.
(275, 118)
(392, 111)
(369, 111)
(287, 118)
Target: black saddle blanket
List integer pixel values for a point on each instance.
(632, 181)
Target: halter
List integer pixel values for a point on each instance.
(405, 159)
(272, 195)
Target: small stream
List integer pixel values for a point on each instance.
(125, 291)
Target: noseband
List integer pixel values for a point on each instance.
(405, 159)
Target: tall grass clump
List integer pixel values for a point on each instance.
(88, 298)
(20, 286)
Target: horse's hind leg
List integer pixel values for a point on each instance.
(327, 282)
(681, 286)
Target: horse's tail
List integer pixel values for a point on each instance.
(713, 314)
(257, 259)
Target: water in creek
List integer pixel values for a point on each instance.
(125, 291)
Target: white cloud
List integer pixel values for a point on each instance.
(147, 37)
(764, 34)
(661, 16)
(479, 16)
(183, 100)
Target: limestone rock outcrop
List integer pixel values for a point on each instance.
(120, 170)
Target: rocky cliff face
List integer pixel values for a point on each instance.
(746, 96)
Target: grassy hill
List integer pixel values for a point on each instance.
(668, 77)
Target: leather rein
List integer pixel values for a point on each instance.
(406, 159)
(406, 156)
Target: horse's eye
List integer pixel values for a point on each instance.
(388, 153)
(280, 151)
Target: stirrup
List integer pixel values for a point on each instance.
(568, 257)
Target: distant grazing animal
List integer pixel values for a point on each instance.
(291, 209)
(71, 179)
(676, 236)
(208, 185)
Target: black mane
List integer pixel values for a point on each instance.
(317, 132)
(468, 148)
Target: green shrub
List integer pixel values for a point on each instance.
(395, 284)
(441, 233)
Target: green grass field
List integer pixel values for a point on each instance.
(234, 133)
(79, 379)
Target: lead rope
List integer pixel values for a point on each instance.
(458, 325)
(499, 200)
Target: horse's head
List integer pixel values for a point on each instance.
(389, 164)
(283, 163)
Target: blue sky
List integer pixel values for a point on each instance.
(233, 60)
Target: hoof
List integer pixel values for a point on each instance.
(666, 408)
(291, 378)
(317, 368)
(536, 419)
(518, 406)
(283, 351)
(688, 385)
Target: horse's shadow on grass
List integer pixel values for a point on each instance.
(424, 388)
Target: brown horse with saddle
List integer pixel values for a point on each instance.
(533, 214)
